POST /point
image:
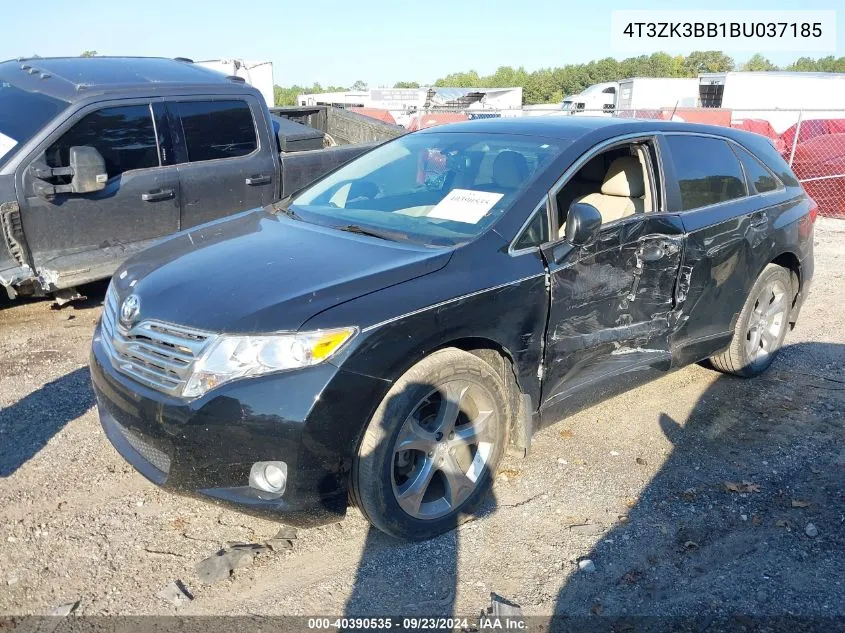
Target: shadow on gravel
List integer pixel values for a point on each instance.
(27, 425)
(745, 516)
(422, 580)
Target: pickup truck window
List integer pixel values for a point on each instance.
(125, 136)
(217, 129)
(22, 114)
(708, 171)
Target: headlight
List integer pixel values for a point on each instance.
(231, 357)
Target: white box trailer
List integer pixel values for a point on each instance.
(256, 73)
(776, 97)
(653, 93)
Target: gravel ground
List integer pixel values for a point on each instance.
(693, 494)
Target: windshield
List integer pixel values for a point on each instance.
(436, 189)
(22, 114)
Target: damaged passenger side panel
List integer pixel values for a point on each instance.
(613, 306)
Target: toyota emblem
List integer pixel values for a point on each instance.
(129, 309)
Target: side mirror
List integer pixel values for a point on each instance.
(582, 224)
(88, 170)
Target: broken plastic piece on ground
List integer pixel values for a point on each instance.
(501, 608)
(65, 609)
(286, 532)
(62, 297)
(221, 565)
(279, 544)
(176, 593)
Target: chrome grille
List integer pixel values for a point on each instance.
(156, 354)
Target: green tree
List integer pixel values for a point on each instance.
(461, 80)
(830, 64)
(708, 62)
(88, 54)
(550, 85)
(758, 63)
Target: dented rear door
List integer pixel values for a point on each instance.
(612, 306)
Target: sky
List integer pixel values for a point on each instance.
(337, 43)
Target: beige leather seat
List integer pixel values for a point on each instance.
(509, 171)
(621, 192)
(588, 180)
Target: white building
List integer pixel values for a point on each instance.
(777, 97)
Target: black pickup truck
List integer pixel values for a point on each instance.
(100, 157)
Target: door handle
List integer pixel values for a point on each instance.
(259, 180)
(759, 219)
(160, 194)
(651, 253)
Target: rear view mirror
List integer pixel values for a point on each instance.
(88, 170)
(431, 163)
(85, 173)
(582, 224)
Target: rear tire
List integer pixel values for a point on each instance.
(761, 326)
(450, 413)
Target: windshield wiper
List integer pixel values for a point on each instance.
(354, 228)
(284, 206)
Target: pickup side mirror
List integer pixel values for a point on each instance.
(582, 224)
(88, 170)
(87, 173)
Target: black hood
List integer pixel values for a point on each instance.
(259, 272)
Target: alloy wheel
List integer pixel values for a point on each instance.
(443, 448)
(765, 323)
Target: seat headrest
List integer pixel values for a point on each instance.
(593, 170)
(624, 178)
(509, 170)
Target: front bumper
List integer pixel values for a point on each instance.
(311, 419)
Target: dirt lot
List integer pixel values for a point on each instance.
(691, 495)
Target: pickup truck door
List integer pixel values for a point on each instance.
(226, 156)
(611, 308)
(76, 238)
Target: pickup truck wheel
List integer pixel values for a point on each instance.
(761, 326)
(432, 447)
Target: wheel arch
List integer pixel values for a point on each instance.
(520, 426)
(790, 262)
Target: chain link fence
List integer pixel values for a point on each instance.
(811, 141)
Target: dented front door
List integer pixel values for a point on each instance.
(612, 306)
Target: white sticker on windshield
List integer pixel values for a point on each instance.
(465, 205)
(6, 144)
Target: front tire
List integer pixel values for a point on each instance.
(432, 447)
(761, 326)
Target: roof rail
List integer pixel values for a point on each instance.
(187, 60)
(237, 79)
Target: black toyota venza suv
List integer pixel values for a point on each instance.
(383, 336)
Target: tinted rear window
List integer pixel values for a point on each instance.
(708, 172)
(216, 129)
(760, 179)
